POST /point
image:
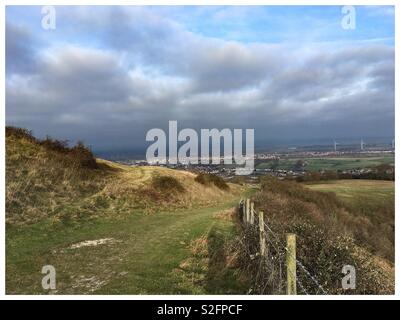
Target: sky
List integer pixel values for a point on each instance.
(108, 74)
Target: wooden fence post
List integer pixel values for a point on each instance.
(247, 211)
(291, 264)
(244, 210)
(252, 213)
(241, 209)
(263, 247)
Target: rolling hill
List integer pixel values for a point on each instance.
(47, 179)
(113, 229)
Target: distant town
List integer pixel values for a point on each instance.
(295, 161)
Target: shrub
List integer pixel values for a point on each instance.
(83, 155)
(329, 235)
(78, 154)
(208, 179)
(55, 145)
(20, 133)
(167, 184)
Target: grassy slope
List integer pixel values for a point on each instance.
(350, 190)
(52, 205)
(370, 199)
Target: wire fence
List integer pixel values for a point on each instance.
(274, 261)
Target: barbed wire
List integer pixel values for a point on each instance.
(320, 288)
(297, 280)
(299, 263)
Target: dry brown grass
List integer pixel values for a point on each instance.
(42, 182)
(39, 181)
(138, 183)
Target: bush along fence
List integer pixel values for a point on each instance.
(278, 270)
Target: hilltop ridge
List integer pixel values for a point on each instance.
(47, 178)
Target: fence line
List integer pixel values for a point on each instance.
(298, 262)
(249, 217)
(289, 270)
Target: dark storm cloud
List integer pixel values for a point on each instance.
(336, 73)
(20, 49)
(146, 70)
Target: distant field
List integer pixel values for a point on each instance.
(337, 163)
(355, 190)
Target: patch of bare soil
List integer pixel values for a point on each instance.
(93, 243)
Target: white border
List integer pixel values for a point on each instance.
(189, 297)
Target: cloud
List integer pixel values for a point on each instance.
(20, 49)
(142, 69)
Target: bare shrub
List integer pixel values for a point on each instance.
(78, 154)
(167, 185)
(208, 179)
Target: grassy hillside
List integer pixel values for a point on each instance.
(113, 229)
(355, 228)
(45, 178)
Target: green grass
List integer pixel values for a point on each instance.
(356, 192)
(339, 163)
(144, 260)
